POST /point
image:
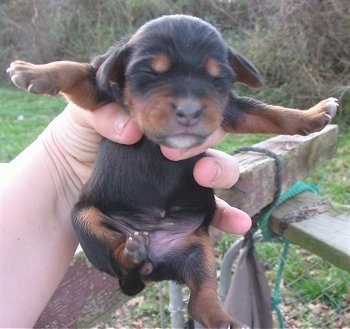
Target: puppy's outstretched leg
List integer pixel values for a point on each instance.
(75, 81)
(246, 115)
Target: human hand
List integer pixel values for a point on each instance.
(217, 169)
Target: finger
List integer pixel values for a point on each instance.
(216, 170)
(180, 154)
(112, 122)
(230, 219)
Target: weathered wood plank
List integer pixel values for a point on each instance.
(300, 155)
(83, 298)
(323, 227)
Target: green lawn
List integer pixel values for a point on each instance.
(23, 117)
(333, 177)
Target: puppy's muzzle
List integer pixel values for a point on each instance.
(188, 113)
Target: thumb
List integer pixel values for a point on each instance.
(113, 123)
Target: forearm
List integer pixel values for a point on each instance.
(38, 190)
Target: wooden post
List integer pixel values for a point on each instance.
(300, 155)
(85, 297)
(316, 224)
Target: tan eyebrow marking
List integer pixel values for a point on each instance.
(212, 67)
(160, 63)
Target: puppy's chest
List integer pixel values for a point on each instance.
(140, 177)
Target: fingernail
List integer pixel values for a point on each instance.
(217, 170)
(120, 124)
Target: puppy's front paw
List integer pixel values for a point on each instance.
(327, 107)
(136, 248)
(32, 78)
(322, 113)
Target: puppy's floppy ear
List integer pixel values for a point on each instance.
(112, 70)
(244, 70)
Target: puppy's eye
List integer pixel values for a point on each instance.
(143, 71)
(224, 82)
(149, 72)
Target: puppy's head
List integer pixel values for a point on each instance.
(175, 74)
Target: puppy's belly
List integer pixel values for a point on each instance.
(174, 239)
(167, 235)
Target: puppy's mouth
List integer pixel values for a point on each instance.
(179, 140)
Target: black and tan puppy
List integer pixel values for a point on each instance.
(140, 216)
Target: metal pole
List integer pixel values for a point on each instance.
(176, 305)
(161, 305)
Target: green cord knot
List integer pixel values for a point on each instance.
(297, 188)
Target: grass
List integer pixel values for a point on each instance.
(333, 177)
(24, 116)
(314, 293)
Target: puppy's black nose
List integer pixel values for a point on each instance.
(188, 114)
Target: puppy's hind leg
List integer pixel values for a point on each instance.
(204, 304)
(109, 249)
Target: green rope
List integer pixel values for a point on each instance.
(276, 298)
(297, 188)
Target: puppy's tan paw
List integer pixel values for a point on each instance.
(326, 109)
(320, 115)
(31, 77)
